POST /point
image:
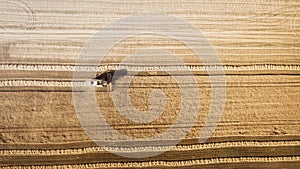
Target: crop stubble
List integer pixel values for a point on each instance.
(257, 41)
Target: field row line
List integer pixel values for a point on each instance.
(87, 83)
(150, 148)
(46, 83)
(154, 67)
(158, 163)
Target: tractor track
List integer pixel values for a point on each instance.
(152, 126)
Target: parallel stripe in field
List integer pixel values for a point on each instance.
(56, 67)
(88, 143)
(161, 163)
(83, 83)
(287, 122)
(18, 152)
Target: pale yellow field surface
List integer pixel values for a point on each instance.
(258, 46)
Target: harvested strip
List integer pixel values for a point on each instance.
(87, 68)
(42, 83)
(84, 143)
(82, 83)
(152, 148)
(168, 163)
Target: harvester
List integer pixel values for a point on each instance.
(103, 80)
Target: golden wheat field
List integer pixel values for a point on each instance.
(46, 122)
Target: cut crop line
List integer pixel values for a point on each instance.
(161, 163)
(154, 67)
(149, 149)
(49, 83)
(86, 83)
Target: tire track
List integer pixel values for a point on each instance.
(88, 143)
(294, 22)
(30, 15)
(165, 125)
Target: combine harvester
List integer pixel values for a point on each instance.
(103, 80)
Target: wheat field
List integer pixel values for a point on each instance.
(258, 46)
